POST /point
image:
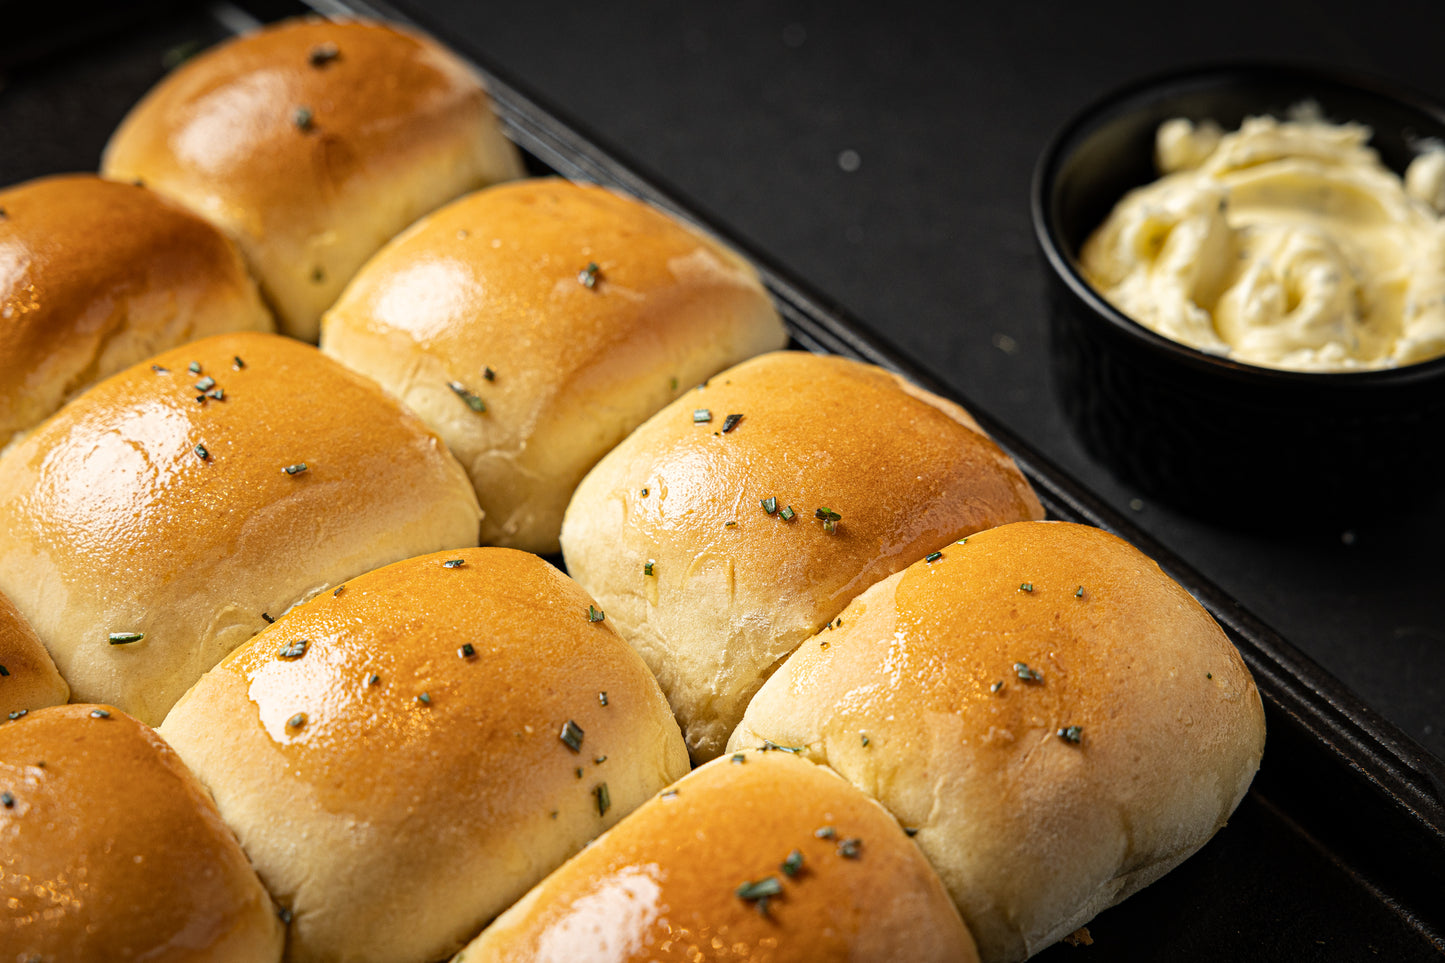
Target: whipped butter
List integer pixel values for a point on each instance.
(1286, 244)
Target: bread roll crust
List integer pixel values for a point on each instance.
(110, 850)
(28, 678)
(493, 293)
(734, 589)
(95, 276)
(396, 792)
(662, 885)
(312, 142)
(112, 520)
(1033, 832)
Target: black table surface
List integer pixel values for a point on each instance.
(883, 154)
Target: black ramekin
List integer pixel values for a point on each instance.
(1235, 443)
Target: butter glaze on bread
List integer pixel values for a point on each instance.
(1033, 831)
(662, 885)
(111, 850)
(493, 294)
(95, 276)
(396, 791)
(311, 143)
(734, 589)
(113, 520)
(28, 679)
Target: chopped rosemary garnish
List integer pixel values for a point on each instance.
(578, 771)
(758, 892)
(910, 831)
(825, 832)
(1079, 592)
(770, 504)
(100, 713)
(284, 915)
(571, 735)
(1071, 734)
(673, 383)
(769, 746)
(1026, 586)
(339, 589)
(739, 758)
(159, 370)
(202, 453)
(587, 277)
(933, 557)
(667, 794)
(205, 384)
(4, 671)
(19, 714)
(962, 541)
(865, 740)
(293, 650)
(296, 721)
(604, 799)
(463, 392)
(644, 493)
(303, 119)
(454, 563)
(787, 514)
(647, 566)
(295, 469)
(424, 698)
(731, 422)
(237, 363)
(467, 651)
(1027, 674)
(730, 524)
(219, 394)
(7, 800)
(374, 680)
(602, 698)
(996, 686)
(599, 760)
(322, 54)
(594, 614)
(701, 416)
(269, 620)
(488, 374)
(793, 863)
(125, 638)
(850, 848)
(194, 367)
(830, 519)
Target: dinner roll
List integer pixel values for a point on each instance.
(403, 758)
(762, 856)
(28, 679)
(712, 534)
(158, 521)
(311, 143)
(95, 276)
(1059, 720)
(110, 850)
(533, 325)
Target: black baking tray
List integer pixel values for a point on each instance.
(1338, 851)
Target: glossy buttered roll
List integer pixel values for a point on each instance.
(311, 143)
(403, 757)
(161, 519)
(97, 275)
(534, 324)
(111, 850)
(28, 679)
(1058, 721)
(743, 517)
(759, 856)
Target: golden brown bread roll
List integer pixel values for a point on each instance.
(404, 758)
(670, 531)
(95, 276)
(688, 876)
(1058, 719)
(150, 526)
(110, 850)
(28, 679)
(311, 143)
(568, 312)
